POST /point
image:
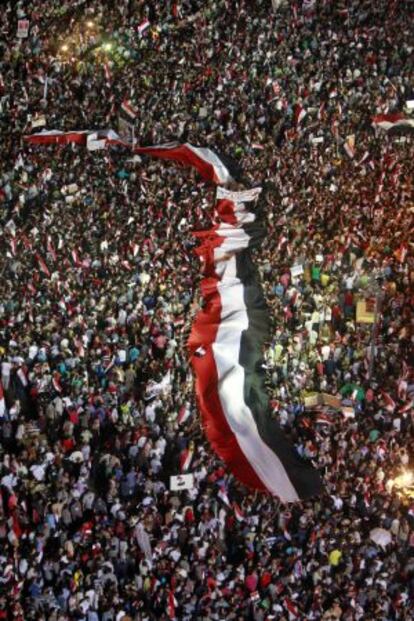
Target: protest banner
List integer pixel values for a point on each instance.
(296, 270)
(181, 482)
(23, 28)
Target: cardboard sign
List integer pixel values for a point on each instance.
(317, 399)
(312, 400)
(365, 311)
(331, 401)
(348, 412)
(23, 28)
(181, 482)
(39, 121)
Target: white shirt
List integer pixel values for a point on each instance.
(33, 350)
(150, 413)
(5, 368)
(38, 472)
(9, 481)
(326, 350)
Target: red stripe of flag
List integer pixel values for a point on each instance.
(128, 109)
(217, 429)
(43, 267)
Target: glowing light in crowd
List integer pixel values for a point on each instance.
(404, 483)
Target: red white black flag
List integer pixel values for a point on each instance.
(211, 166)
(395, 123)
(42, 265)
(229, 333)
(128, 110)
(231, 330)
(186, 457)
(172, 604)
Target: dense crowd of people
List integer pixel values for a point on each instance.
(100, 283)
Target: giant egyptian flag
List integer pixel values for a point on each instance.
(229, 333)
(210, 165)
(226, 345)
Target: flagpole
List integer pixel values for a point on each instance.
(377, 311)
(45, 89)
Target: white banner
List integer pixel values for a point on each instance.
(181, 481)
(94, 144)
(239, 197)
(296, 270)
